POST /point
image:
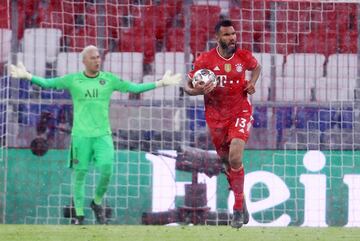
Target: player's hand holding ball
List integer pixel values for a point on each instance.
(204, 81)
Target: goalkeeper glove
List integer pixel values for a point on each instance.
(169, 79)
(19, 72)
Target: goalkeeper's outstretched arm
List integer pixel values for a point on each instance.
(168, 79)
(19, 71)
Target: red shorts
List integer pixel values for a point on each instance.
(239, 127)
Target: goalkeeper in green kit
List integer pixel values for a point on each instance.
(91, 139)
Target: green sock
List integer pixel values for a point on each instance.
(105, 175)
(79, 191)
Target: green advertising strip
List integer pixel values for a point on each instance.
(36, 189)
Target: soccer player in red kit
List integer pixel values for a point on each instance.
(228, 111)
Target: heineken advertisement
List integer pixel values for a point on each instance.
(282, 187)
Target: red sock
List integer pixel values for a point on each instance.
(236, 182)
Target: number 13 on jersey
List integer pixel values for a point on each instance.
(243, 123)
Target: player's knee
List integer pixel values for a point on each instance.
(80, 175)
(235, 162)
(235, 159)
(236, 153)
(106, 171)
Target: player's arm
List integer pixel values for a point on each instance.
(168, 79)
(255, 73)
(198, 89)
(20, 72)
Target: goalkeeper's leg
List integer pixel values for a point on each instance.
(105, 175)
(79, 191)
(80, 154)
(104, 158)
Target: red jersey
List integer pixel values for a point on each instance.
(228, 99)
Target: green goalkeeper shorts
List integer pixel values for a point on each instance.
(87, 150)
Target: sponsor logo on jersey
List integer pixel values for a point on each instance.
(102, 82)
(216, 68)
(223, 80)
(94, 93)
(239, 67)
(227, 67)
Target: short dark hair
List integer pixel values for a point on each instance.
(223, 23)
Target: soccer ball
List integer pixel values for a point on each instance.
(202, 76)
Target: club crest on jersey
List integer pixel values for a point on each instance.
(239, 67)
(227, 67)
(102, 82)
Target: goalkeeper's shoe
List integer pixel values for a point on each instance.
(237, 219)
(99, 213)
(246, 213)
(78, 220)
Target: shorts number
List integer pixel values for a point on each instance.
(241, 123)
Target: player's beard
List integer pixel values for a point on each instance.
(226, 47)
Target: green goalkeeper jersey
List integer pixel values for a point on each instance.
(91, 98)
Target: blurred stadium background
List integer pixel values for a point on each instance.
(302, 160)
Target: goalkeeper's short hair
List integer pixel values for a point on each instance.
(87, 49)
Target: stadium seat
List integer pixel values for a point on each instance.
(265, 60)
(42, 41)
(143, 42)
(155, 18)
(40, 46)
(235, 16)
(35, 62)
(321, 42)
(263, 85)
(335, 89)
(198, 39)
(5, 45)
(285, 43)
(347, 118)
(342, 66)
(60, 20)
(196, 117)
(260, 117)
(43, 12)
(304, 65)
(75, 7)
(327, 116)
(246, 40)
(114, 19)
(174, 40)
(348, 42)
(257, 18)
(295, 89)
(127, 65)
(80, 37)
(24, 86)
(4, 13)
(307, 118)
(205, 16)
(68, 62)
(263, 88)
(301, 72)
(284, 120)
(174, 61)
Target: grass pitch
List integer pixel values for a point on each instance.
(166, 233)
